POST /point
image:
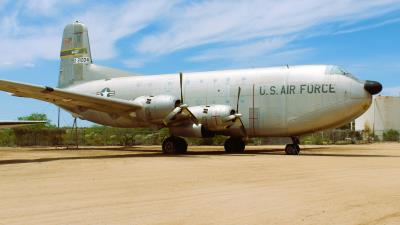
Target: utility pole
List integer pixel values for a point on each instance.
(58, 119)
(75, 126)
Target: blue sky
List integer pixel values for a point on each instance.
(164, 36)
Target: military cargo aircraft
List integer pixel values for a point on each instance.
(18, 123)
(284, 101)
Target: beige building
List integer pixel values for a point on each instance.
(383, 115)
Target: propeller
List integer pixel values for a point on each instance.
(238, 98)
(235, 114)
(238, 115)
(179, 109)
(180, 85)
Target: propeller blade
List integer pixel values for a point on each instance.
(238, 98)
(243, 129)
(180, 114)
(180, 85)
(232, 117)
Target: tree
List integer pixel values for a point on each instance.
(38, 117)
(391, 135)
(39, 134)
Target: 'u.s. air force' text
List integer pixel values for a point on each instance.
(297, 89)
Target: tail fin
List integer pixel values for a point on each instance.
(75, 54)
(76, 59)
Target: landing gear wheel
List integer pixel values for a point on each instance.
(292, 149)
(234, 145)
(182, 145)
(174, 145)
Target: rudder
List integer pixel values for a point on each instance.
(75, 54)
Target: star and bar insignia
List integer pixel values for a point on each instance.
(106, 92)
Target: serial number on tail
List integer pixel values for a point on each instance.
(81, 60)
(297, 89)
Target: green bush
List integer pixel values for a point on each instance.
(31, 136)
(391, 135)
(7, 137)
(38, 117)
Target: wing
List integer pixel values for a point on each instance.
(20, 123)
(69, 99)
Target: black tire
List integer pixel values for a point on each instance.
(169, 146)
(174, 145)
(234, 145)
(228, 146)
(297, 149)
(181, 145)
(292, 149)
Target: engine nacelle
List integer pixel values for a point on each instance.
(214, 117)
(191, 130)
(155, 108)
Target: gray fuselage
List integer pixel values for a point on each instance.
(278, 101)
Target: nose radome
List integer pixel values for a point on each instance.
(373, 87)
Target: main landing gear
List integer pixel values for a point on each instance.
(174, 145)
(177, 145)
(293, 149)
(234, 145)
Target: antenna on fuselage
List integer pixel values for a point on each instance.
(180, 85)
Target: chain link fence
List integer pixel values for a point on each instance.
(109, 136)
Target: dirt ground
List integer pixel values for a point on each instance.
(351, 184)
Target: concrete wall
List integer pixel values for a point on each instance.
(383, 115)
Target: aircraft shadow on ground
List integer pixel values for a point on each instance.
(157, 153)
(117, 149)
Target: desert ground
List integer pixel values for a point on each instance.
(347, 184)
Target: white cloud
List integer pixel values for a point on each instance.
(25, 42)
(241, 29)
(277, 58)
(227, 22)
(107, 24)
(3, 3)
(135, 62)
(29, 65)
(47, 7)
(247, 50)
(6, 63)
(26, 49)
(287, 56)
(368, 27)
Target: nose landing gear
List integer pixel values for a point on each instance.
(293, 149)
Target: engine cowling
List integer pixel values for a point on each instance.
(191, 130)
(155, 108)
(214, 117)
(208, 121)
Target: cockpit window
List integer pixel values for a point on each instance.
(336, 70)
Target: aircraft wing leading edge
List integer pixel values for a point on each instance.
(69, 99)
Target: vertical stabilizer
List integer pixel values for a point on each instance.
(76, 60)
(75, 54)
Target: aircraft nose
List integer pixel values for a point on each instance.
(373, 87)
